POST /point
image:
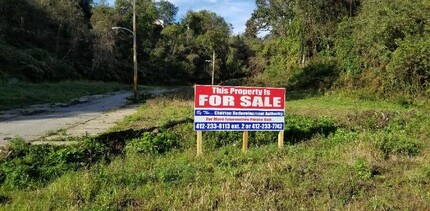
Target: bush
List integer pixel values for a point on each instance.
(410, 66)
(38, 65)
(221, 138)
(362, 169)
(299, 128)
(342, 136)
(153, 143)
(30, 166)
(315, 76)
(397, 144)
(388, 45)
(33, 64)
(346, 51)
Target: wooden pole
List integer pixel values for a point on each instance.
(245, 141)
(199, 143)
(281, 139)
(134, 52)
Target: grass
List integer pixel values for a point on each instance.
(340, 154)
(339, 106)
(16, 94)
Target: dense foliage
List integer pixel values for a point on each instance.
(381, 46)
(55, 40)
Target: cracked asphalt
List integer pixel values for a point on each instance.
(32, 127)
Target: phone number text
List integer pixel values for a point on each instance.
(245, 126)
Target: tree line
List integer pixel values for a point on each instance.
(379, 45)
(67, 39)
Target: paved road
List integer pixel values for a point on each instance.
(35, 126)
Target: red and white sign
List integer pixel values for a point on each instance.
(238, 108)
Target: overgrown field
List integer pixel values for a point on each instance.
(15, 94)
(341, 153)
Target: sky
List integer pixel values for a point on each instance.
(236, 12)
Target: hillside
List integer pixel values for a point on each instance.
(378, 46)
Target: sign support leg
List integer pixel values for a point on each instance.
(245, 141)
(199, 143)
(281, 139)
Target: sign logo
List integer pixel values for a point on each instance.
(234, 108)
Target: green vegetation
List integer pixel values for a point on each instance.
(340, 153)
(30, 167)
(73, 39)
(15, 94)
(380, 47)
(358, 79)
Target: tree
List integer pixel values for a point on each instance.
(166, 11)
(86, 8)
(105, 60)
(391, 39)
(146, 14)
(49, 37)
(209, 32)
(237, 59)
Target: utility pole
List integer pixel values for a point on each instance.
(213, 67)
(134, 52)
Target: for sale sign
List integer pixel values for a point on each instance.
(233, 108)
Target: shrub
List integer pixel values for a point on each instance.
(410, 66)
(299, 128)
(346, 51)
(342, 136)
(362, 169)
(221, 138)
(153, 143)
(315, 76)
(30, 166)
(387, 43)
(34, 64)
(397, 144)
